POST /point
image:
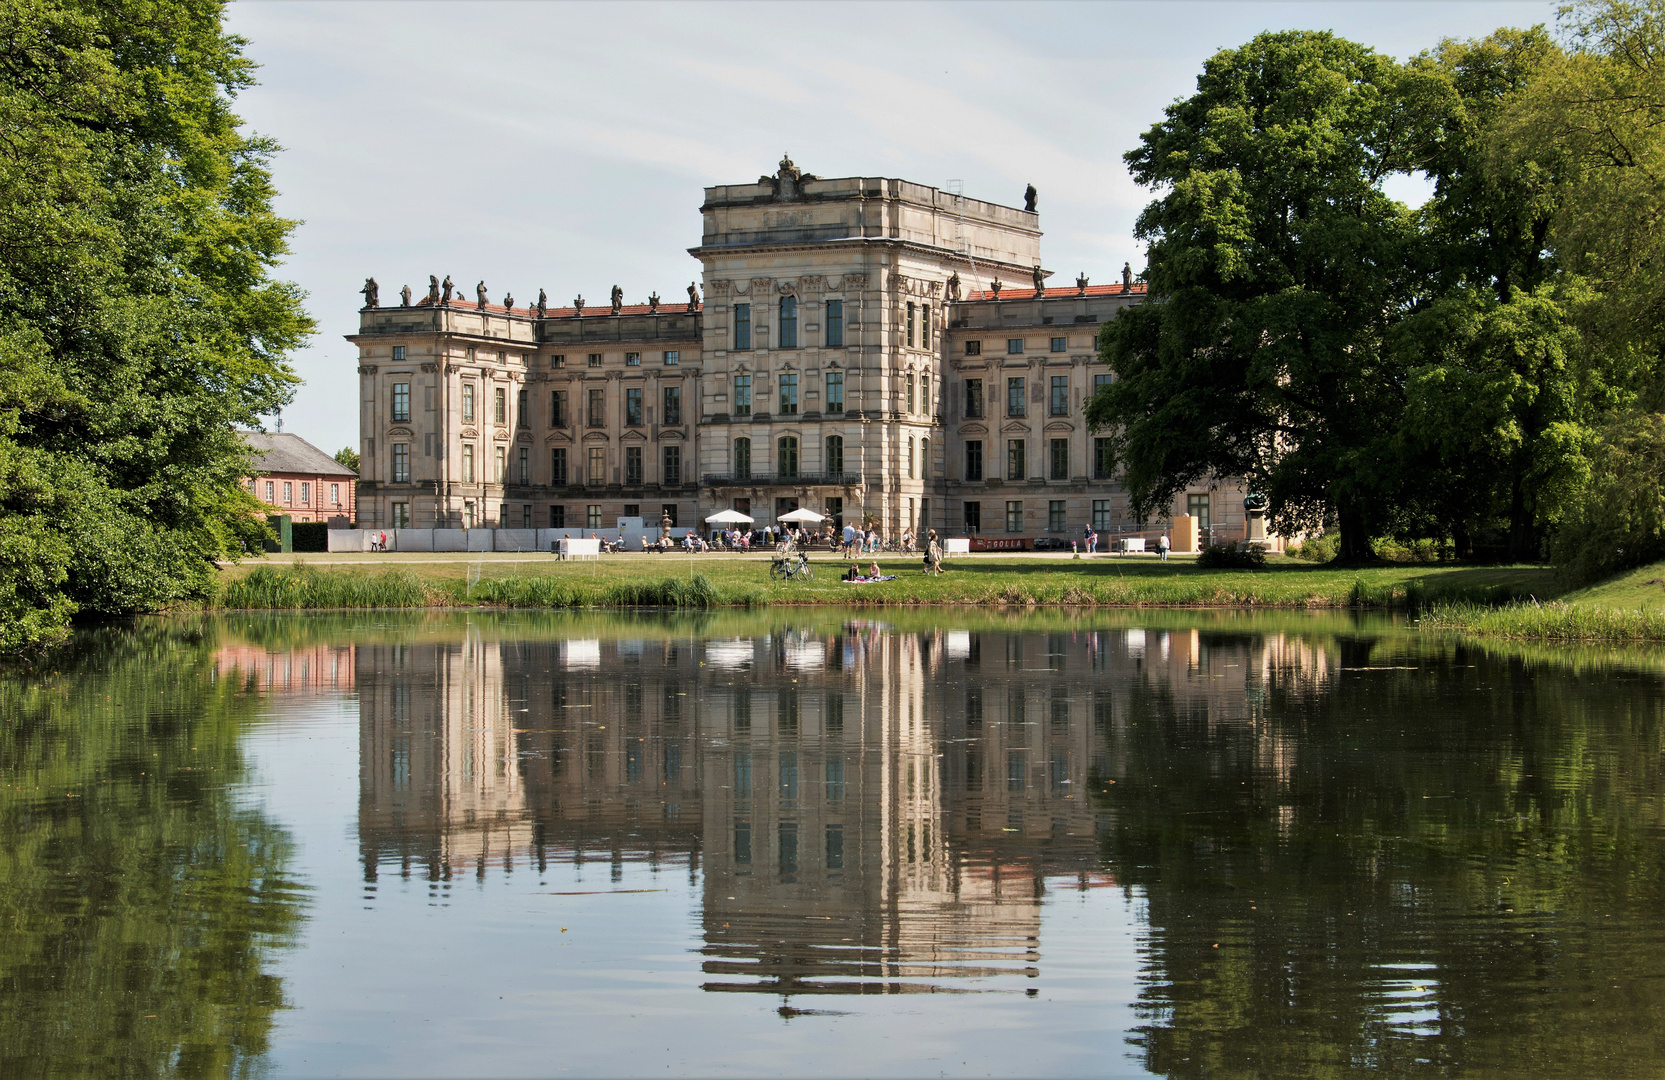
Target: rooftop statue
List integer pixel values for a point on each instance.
(543, 304)
(1081, 284)
(994, 287)
(653, 303)
(433, 289)
(954, 286)
(1127, 277)
(404, 296)
(480, 293)
(618, 299)
(578, 305)
(509, 302)
(1029, 194)
(693, 298)
(371, 293)
(1040, 282)
(447, 286)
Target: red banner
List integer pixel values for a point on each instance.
(979, 543)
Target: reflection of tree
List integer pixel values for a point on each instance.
(137, 899)
(1417, 871)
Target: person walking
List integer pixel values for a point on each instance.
(1162, 547)
(933, 556)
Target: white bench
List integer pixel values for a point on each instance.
(961, 546)
(578, 548)
(1128, 544)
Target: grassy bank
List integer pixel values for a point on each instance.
(1627, 608)
(717, 581)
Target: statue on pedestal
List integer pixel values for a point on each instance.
(543, 304)
(994, 287)
(693, 297)
(1127, 277)
(1029, 198)
(953, 287)
(509, 303)
(1081, 284)
(404, 296)
(433, 289)
(480, 293)
(1040, 282)
(447, 286)
(578, 305)
(653, 303)
(618, 299)
(371, 293)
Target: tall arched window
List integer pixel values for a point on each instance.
(835, 454)
(788, 336)
(925, 458)
(787, 457)
(742, 458)
(910, 448)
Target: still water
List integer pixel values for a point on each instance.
(829, 843)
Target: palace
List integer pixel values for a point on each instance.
(869, 348)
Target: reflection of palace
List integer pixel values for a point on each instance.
(321, 669)
(875, 812)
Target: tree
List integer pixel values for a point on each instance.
(348, 457)
(139, 327)
(1277, 267)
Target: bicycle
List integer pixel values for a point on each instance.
(785, 568)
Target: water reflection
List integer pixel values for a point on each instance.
(873, 811)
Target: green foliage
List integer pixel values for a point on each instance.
(1619, 518)
(1319, 549)
(348, 457)
(1547, 622)
(302, 587)
(1231, 557)
(138, 327)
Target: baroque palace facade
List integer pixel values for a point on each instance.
(840, 360)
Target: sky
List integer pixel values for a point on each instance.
(564, 146)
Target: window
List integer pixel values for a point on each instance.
(668, 510)
(557, 361)
(1060, 404)
(835, 455)
(557, 517)
(335, 494)
(973, 398)
(742, 326)
(835, 324)
(633, 466)
(1101, 515)
(1059, 344)
(787, 338)
(789, 395)
(910, 393)
(632, 510)
(835, 510)
(910, 458)
(632, 359)
(1014, 346)
(270, 496)
(1197, 507)
(1014, 397)
(673, 357)
(925, 458)
(925, 326)
(520, 409)
(787, 457)
(672, 462)
(398, 352)
(557, 408)
(288, 492)
(598, 406)
(1014, 459)
(401, 403)
(502, 357)
(1055, 515)
(502, 462)
(673, 405)
(592, 516)
(1014, 517)
(742, 458)
(925, 395)
(401, 515)
(526, 467)
(974, 348)
(788, 845)
(742, 395)
(401, 463)
(598, 466)
(974, 461)
(912, 319)
(468, 403)
(469, 352)
(1104, 459)
(500, 405)
(835, 837)
(835, 391)
(306, 494)
(558, 466)
(468, 463)
(1058, 460)
(633, 406)
(595, 359)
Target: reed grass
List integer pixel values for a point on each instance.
(1531, 621)
(305, 587)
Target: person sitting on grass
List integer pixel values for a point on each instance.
(853, 574)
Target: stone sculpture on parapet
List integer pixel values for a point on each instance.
(994, 287)
(404, 296)
(618, 299)
(693, 297)
(1081, 284)
(543, 304)
(509, 302)
(371, 293)
(1029, 196)
(480, 294)
(578, 305)
(653, 303)
(1127, 277)
(433, 289)
(1040, 282)
(447, 286)
(953, 287)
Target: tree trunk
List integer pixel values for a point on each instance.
(1354, 546)
(1523, 531)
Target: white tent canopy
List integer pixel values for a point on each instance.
(805, 516)
(728, 517)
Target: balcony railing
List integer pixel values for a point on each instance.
(764, 479)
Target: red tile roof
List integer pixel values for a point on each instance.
(603, 310)
(1064, 293)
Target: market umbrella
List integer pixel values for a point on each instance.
(804, 516)
(729, 517)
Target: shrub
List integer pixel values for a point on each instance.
(1315, 548)
(1231, 557)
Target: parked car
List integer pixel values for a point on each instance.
(1051, 543)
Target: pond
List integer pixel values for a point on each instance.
(829, 842)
